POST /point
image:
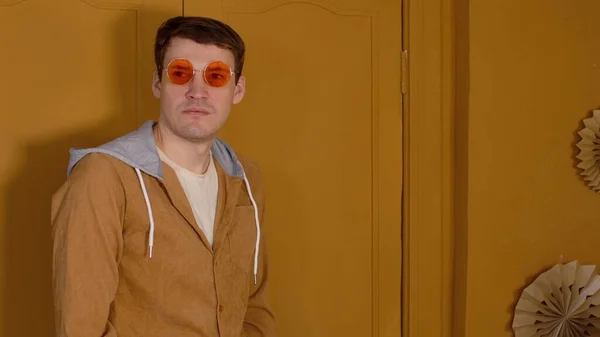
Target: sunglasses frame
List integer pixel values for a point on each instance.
(194, 71)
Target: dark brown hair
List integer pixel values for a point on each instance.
(201, 30)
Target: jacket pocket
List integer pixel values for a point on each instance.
(242, 238)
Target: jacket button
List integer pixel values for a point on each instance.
(221, 308)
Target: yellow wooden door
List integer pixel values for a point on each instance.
(74, 73)
(322, 117)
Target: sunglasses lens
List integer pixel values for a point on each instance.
(180, 71)
(217, 73)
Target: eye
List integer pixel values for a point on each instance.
(217, 76)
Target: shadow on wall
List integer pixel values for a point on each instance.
(28, 306)
(517, 294)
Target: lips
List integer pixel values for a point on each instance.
(196, 111)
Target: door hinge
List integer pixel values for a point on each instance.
(404, 72)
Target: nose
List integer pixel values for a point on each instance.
(198, 88)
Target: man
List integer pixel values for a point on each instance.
(157, 233)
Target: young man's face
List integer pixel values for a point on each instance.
(196, 111)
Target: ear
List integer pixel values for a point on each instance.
(156, 85)
(240, 90)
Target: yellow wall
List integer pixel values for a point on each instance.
(528, 73)
(74, 74)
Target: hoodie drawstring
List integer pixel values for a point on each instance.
(149, 207)
(257, 222)
(256, 219)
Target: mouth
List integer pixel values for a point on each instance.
(196, 111)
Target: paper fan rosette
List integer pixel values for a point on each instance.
(561, 302)
(589, 154)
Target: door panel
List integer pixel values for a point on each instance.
(322, 118)
(75, 73)
(309, 142)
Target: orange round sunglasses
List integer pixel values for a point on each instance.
(216, 73)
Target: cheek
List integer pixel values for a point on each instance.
(223, 98)
(172, 96)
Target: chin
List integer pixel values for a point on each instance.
(196, 133)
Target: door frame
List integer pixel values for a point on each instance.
(432, 118)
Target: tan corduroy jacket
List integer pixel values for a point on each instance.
(130, 260)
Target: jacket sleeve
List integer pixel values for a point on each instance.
(260, 320)
(86, 218)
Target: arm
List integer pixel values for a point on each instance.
(260, 320)
(86, 232)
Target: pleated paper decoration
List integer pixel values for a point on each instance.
(562, 302)
(589, 154)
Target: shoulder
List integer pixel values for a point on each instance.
(94, 174)
(255, 177)
(250, 167)
(253, 172)
(95, 167)
(94, 183)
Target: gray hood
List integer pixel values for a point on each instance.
(138, 150)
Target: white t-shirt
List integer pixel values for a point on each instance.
(201, 191)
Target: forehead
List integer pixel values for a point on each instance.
(198, 54)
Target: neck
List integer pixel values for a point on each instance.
(193, 156)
